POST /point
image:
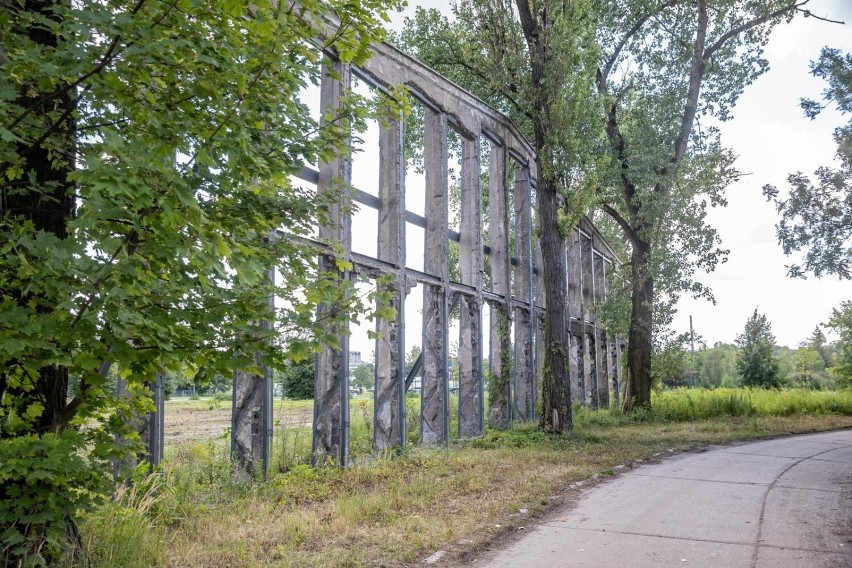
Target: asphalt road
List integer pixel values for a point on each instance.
(783, 503)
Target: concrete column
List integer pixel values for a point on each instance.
(582, 343)
(471, 396)
(599, 292)
(247, 428)
(592, 342)
(331, 370)
(586, 368)
(152, 436)
(251, 413)
(613, 369)
(523, 367)
(499, 352)
(389, 405)
(588, 280)
(435, 411)
(575, 369)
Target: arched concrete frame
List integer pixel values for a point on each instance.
(515, 297)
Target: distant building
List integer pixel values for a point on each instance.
(355, 359)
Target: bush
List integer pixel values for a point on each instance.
(44, 482)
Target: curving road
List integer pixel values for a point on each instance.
(783, 503)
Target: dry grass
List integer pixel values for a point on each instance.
(394, 511)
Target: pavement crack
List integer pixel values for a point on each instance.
(702, 480)
(693, 539)
(761, 518)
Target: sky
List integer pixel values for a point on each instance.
(772, 138)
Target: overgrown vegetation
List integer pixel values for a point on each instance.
(391, 510)
(145, 153)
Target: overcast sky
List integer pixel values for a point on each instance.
(772, 138)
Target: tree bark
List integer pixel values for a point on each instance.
(555, 385)
(48, 202)
(640, 343)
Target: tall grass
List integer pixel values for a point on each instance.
(194, 513)
(125, 532)
(680, 405)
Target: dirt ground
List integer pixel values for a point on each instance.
(206, 419)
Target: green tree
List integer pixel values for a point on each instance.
(757, 364)
(786, 359)
(818, 342)
(145, 153)
(817, 216)
(717, 366)
(297, 380)
(810, 368)
(666, 66)
(535, 61)
(364, 376)
(672, 363)
(841, 323)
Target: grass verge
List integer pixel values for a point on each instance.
(393, 511)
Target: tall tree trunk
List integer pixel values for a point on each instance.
(47, 201)
(639, 344)
(43, 196)
(555, 384)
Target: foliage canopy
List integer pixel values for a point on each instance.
(816, 216)
(145, 154)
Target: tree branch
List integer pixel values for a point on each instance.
(106, 59)
(629, 233)
(708, 53)
(696, 74)
(604, 75)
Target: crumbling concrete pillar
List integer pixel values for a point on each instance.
(154, 427)
(585, 367)
(500, 345)
(251, 411)
(523, 360)
(389, 405)
(575, 369)
(435, 395)
(331, 367)
(592, 342)
(471, 395)
(149, 427)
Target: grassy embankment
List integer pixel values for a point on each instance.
(393, 510)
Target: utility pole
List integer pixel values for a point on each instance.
(692, 352)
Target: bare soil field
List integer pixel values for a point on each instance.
(208, 419)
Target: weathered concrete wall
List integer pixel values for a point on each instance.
(515, 296)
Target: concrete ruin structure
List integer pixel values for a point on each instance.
(496, 267)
